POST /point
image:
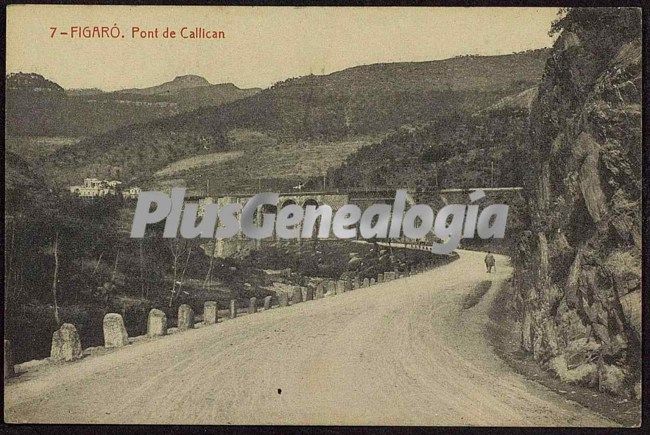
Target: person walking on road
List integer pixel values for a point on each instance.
(489, 262)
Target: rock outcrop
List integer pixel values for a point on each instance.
(578, 267)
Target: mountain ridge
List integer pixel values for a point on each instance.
(37, 106)
(177, 83)
(341, 107)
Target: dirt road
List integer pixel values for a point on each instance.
(403, 353)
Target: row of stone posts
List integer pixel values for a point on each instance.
(66, 345)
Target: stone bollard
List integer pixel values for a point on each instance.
(355, 283)
(372, 281)
(283, 299)
(9, 360)
(267, 302)
(330, 286)
(114, 331)
(296, 295)
(340, 287)
(307, 294)
(233, 309)
(66, 345)
(319, 292)
(252, 306)
(210, 312)
(185, 317)
(348, 285)
(380, 278)
(365, 283)
(156, 323)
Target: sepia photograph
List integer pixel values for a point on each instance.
(323, 216)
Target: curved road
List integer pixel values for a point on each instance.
(398, 353)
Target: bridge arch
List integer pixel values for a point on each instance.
(314, 202)
(310, 201)
(287, 201)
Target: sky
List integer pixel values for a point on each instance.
(262, 45)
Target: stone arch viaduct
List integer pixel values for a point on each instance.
(339, 197)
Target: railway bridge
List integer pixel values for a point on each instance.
(336, 198)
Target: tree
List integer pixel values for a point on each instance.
(208, 276)
(55, 249)
(177, 247)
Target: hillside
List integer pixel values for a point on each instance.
(377, 98)
(260, 162)
(360, 103)
(36, 106)
(522, 100)
(453, 151)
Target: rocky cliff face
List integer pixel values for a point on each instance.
(578, 269)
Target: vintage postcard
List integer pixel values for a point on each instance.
(340, 216)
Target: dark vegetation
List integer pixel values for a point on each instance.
(129, 153)
(453, 151)
(72, 260)
(340, 258)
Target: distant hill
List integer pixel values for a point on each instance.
(181, 82)
(83, 91)
(36, 106)
(185, 97)
(361, 102)
(371, 99)
(32, 82)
